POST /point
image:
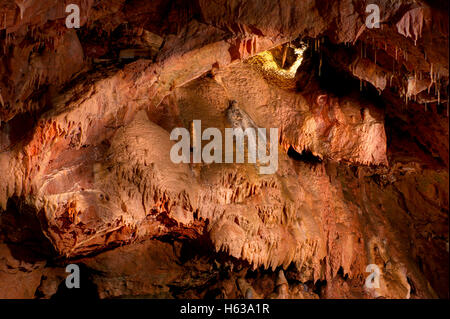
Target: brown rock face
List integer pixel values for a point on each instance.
(361, 178)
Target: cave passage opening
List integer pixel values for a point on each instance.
(282, 62)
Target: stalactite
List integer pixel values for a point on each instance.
(438, 91)
(415, 84)
(431, 79)
(393, 67)
(284, 56)
(1, 99)
(320, 65)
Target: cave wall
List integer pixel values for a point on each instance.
(85, 122)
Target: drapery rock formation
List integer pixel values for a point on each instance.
(85, 122)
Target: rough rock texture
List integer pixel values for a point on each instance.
(85, 122)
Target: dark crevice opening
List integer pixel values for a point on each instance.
(22, 231)
(319, 287)
(341, 273)
(305, 156)
(411, 284)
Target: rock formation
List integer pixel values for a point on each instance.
(87, 179)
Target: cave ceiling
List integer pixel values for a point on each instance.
(361, 178)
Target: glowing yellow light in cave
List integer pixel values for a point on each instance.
(268, 63)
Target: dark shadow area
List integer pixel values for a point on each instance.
(319, 287)
(87, 289)
(341, 273)
(305, 156)
(403, 147)
(21, 230)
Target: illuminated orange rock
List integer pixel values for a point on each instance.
(85, 145)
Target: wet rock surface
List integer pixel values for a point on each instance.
(85, 122)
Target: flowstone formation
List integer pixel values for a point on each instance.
(86, 116)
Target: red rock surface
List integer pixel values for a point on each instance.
(85, 120)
